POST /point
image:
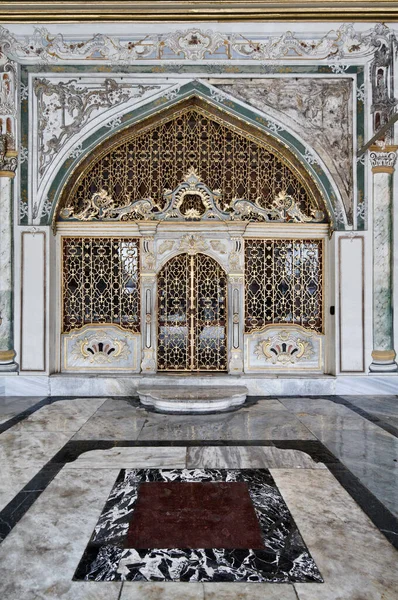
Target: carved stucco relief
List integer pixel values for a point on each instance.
(44, 46)
(65, 106)
(319, 110)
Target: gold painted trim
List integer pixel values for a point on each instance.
(222, 116)
(341, 370)
(7, 355)
(19, 11)
(9, 174)
(388, 170)
(384, 355)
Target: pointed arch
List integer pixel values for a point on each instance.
(196, 97)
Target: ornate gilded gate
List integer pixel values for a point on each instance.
(192, 315)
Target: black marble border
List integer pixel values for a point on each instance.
(285, 557)
(365, 414)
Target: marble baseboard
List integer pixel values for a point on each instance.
(257, 385)
(24, 385)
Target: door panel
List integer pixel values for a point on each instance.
(192, 315)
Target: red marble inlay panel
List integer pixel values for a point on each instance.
(194, 515)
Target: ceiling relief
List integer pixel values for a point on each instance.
(191, 162)
(319, 110)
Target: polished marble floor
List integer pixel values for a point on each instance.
(332, 461)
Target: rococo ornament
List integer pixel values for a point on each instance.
(192, 200)
(99, 348)
(284, 348)
(191, 44)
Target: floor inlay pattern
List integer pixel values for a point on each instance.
(115, 554)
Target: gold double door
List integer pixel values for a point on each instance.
(192, 315)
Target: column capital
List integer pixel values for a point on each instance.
(383, 158)
(8, 156)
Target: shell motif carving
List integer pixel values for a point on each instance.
(99, 348)
(284, 348)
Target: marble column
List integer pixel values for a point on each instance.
(383, 355)
(8, 163)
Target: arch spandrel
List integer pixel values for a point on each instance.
(231, 170)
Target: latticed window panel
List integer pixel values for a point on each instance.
(192, 315)
(100, 282)
(158, 157)
(283, 283)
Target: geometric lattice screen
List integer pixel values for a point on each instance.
(158, 158)
(283, 283)
(100, 282)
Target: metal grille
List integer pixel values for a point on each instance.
(283, 283)
(158, 158)
(192, 315)
(100, 282)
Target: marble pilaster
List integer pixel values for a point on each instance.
(383, 355)
(148, 299)
(8, 162)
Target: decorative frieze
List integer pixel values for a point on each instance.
(43, 46)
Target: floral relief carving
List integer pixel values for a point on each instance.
(65, 107)
(218, 246)
(192, 244)
(165, 246)
(319, 110)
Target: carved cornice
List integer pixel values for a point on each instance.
(20, 11)
(194, 43)
(383, 159)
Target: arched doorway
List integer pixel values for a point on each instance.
(192, 314)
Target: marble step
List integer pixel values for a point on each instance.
(189, 399)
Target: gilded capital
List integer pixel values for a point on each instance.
(383, 159)
(8, 156)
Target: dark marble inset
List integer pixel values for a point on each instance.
(194, 515)
(283, 556)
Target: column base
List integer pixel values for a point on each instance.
(383, 362)
(7, 363)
